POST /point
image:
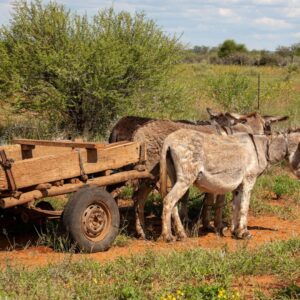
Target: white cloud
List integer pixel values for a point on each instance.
(292, 12)
(274, 23)
(226, 12)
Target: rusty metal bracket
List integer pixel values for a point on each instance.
(7, 164)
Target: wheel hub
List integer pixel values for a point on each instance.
(94, 220)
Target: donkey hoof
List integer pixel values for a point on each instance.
(167, 238)
(247, 235)
(141, 236)
(242, 235)
(181, 237)
(221, 230)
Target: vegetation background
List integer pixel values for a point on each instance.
(64, 74)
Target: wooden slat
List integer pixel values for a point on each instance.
(51, 168)
(12, 151)
(69, 188)
(15, 151)
(68, 143)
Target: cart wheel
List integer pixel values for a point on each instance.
(92, 218)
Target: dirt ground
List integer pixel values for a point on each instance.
(264, 229)
(15, 249)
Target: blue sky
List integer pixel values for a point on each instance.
(260, 24)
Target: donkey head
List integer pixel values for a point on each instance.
(293, 144)
(253, 123)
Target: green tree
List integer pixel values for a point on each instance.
(229, 47)
(289, 51)
(80, 72)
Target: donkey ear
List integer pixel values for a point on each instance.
(235, 116)
(272, 119)
(240, 117)
(213, 114)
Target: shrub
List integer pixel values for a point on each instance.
(78, 72)
(232, 90)
(238, 58)
(271, 59)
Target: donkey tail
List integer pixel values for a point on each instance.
(163, 170)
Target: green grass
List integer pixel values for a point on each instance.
(190, 89)
(259, 207)
(197, 273)
(291, 291)
(53, 235)
(278, 95)
(285, 185)
(276, 184)
(55, 203)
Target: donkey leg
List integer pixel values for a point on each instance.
(140, 198)
(179, 229)
(240, 230)
(169, 202)
(220, 227)
(207, 204)
(184, 212)
(236, 207)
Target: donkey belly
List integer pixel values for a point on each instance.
(220, 182)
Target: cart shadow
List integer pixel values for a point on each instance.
(15, 235)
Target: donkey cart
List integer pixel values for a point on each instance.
(35, 169)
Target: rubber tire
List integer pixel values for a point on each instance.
(74, 210)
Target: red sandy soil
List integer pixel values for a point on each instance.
(248, 285)
(264, 229)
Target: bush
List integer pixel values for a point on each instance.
(232, 90)
(81, 73)
(271, 59)
(238, 58)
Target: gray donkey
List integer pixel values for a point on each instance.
(153, 132)
(220, 164)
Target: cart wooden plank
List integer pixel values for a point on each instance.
(15, 152)
(52, 168)
(67, 143)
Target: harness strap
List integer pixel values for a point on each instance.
(255, 147)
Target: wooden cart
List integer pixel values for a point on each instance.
(35, 169)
